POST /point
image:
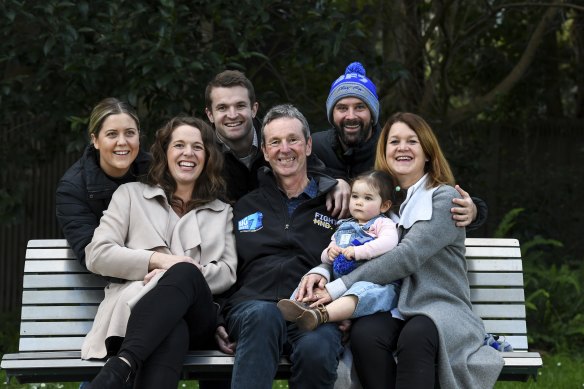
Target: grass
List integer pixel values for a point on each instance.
(559, 371)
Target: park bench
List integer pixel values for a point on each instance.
(60, 299)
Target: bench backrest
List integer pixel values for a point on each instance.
(60, 298)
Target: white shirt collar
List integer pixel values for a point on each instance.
(417, 206)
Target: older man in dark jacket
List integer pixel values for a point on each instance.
(280, 230)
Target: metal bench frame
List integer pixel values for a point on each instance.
(60, 299)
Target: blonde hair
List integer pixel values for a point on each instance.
(106, 107)
(437, 167)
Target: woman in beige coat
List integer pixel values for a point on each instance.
(171, 240)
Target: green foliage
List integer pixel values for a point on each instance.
(554, 295)
(563, 370)
(507, 223)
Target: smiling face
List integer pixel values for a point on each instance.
(352, 120)
(365, 202)
(404, 154)
(285, 147)
(118, 142)
(232, 114)
(186, 156)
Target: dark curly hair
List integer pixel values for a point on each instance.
(210, 184)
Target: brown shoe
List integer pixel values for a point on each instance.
(306, 318)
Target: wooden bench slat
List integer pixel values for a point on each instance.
(57, 297)
(53, 266)
(42, 243)
(488, 242)
(49, 253)
(505, 326)
(79, 328)
(494, 311)
(493, 252)
(481, 295)
(58, 312)
(60, 281)
(50, 344)
(495, 279)
(518, 342)
(495, 265)
(524, 361)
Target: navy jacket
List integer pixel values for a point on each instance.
(276, 249)
(84, 192)
(345, 164)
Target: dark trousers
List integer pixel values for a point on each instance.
(175, 316)
(374, 338)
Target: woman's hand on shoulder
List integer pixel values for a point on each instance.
(465, 210)
(165, 261)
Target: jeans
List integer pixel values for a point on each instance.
(262, 336)
(373, 298)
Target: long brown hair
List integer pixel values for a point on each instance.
(437, 167)
(210, 184)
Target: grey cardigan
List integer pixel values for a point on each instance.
(430, 259)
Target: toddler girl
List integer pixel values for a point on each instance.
(366, 235)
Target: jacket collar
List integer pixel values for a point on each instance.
(267, 179)
(150, 192)
(96, 178)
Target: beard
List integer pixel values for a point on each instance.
(354, 138)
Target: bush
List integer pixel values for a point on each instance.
(554, 297)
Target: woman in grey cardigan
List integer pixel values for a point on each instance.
(434, 332)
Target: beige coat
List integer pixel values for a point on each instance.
(138, 222)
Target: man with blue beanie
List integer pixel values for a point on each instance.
(348, 149)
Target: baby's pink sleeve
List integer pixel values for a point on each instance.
(324, 256)
(386, 239)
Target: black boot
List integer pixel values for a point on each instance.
(115, 374)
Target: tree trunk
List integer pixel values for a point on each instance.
(481, 102)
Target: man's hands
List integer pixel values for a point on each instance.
(337, 200)
(312, 291)
(223, 341)
(466, 210)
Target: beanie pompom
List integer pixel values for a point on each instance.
(355, 67)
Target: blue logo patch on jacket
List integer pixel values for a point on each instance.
(251, 222)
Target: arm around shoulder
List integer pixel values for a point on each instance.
(75, 217)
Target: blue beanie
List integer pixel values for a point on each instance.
(354, 84)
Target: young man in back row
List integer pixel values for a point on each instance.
(231, 107)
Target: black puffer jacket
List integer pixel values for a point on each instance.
(273, 257)
(84, 192)
(345, 164)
